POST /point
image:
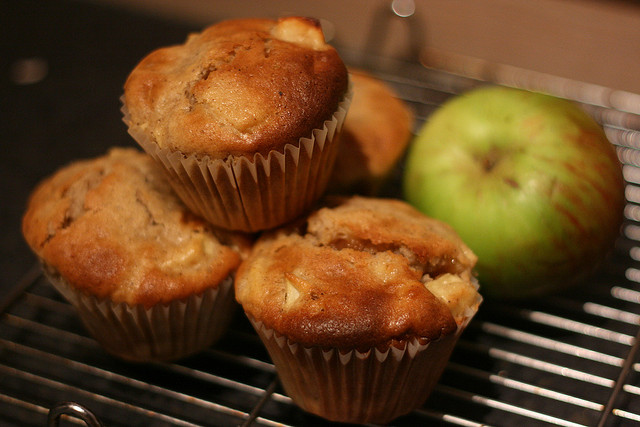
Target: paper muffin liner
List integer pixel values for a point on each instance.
(161, 333)
(352, 386)
(258, 193)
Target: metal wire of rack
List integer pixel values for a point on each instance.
(570, 359)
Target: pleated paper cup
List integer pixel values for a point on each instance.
(160, 333)
(354, 386)
(256, 193)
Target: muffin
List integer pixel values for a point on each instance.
(374, 137)
(244, 116)
(150, 280)
(359, 306)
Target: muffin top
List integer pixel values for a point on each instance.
(374, 137)
(113, 228)
(237, 88)
(359, 273)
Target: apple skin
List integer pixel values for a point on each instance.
(529, 181)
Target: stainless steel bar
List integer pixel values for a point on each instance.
(624, 372)
(451, 419)
(243, 360)
(186, 372)
(626, 415)
(546, 367)
(72, 409)
(526, 387)
(611, 313)
(89, 370)
(25, 282)
(506, 407)
(265, 397)
(23, 404)
(550, 344)
(37, 327)
(62, 387)
(114, 377)
(564, 323)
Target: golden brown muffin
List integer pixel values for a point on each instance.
(244, 116)
(356, 282)
(111, 229)
(238, 88)
(374, 137)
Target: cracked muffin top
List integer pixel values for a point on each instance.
(113, 228)
(237, 88)
(358, 273)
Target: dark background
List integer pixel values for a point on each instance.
(74, 110)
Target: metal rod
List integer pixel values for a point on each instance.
(25, 282)
(72, 409)
(624, 372)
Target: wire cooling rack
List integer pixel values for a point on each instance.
(569, 360)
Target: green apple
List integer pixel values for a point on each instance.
(528, 180)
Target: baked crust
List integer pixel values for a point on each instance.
(357, 274)
(237, 88)
(374, 137)
(113, 228)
